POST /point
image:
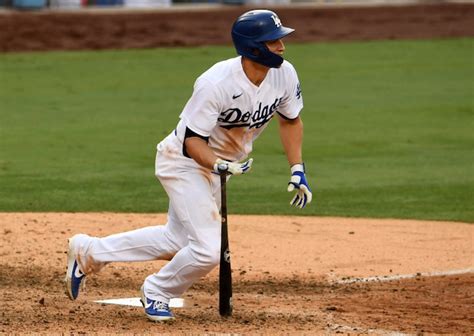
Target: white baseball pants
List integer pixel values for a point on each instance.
(192, 234)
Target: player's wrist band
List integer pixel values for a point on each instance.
(297, 167)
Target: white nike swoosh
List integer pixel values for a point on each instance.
(148, 304)
(78, 273)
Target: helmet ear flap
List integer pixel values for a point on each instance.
(256, 52)
(269, 58)
(247, 48)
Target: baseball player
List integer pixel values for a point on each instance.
(232, 103)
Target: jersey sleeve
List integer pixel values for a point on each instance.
(292, 102)
(202, 109)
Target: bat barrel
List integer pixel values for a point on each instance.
(225, 271)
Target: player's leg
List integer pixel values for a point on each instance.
(89, 254)
(148, 243)
(191, 190)
(198, 212)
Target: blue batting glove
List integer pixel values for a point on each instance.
(298, 181)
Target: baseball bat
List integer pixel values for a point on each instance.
(225, 271)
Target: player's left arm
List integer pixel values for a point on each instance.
(291, 135)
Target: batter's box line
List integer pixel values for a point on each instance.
(348, 329)
(382, 278)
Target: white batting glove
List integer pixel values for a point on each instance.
(234, 168)
(298, 181)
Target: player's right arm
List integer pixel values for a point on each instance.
(198, 149)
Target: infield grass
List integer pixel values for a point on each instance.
(388, 130)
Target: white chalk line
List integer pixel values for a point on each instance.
(383, 278)
(342, 328)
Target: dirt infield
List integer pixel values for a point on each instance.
(46, 30)
(289, 277)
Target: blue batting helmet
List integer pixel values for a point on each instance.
(250, 32)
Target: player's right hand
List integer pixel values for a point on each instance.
(234, 168)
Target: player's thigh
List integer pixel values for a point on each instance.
(194, 205)
(175, 231)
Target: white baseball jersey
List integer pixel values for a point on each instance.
(232, 111)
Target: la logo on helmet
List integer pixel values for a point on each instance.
(277, 21)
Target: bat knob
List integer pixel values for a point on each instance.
(222, 167)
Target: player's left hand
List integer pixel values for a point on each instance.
(298, 181)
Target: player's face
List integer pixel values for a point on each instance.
(276, 46)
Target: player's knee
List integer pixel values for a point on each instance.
(206, 255)
(214, 257)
